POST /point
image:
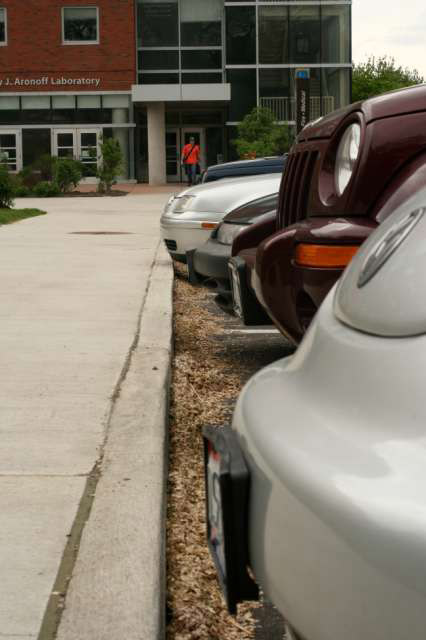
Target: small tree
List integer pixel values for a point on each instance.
(6, 187)
(111, 164)
(379, 75)
(260, 135)
(67, 173)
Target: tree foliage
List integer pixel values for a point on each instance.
(111, 164)
(67, 173)
(6, 187)
(379, 75)
(259, 135)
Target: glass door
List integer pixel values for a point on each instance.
(173, 168)
(11, 149)
(64, 143)
(88, 150)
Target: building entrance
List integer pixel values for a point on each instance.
(83, 144)
(176, 138)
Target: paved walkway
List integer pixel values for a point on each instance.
(85, 330)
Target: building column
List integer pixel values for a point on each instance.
(120, 116)
(156, 143)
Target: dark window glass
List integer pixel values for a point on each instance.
(214, 143)
(9, 116)
(240, 35)
(201, 78)
(37, 116)
(158, 24)
(243, 92)
(335, 89)
(35, 143)
(153, 60)
(2, 25)
(273, 35)
(63, 115)
(275, 93)
(305, 34)
(93, 116)
(7, 140)
(201, 34)
(81, 24)
(158, 78)
(335, 33)
(202, 59)
(202, 117)
(172, 117)
(231, 134)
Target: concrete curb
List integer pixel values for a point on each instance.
(117, 590)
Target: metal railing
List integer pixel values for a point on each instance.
(284, 109)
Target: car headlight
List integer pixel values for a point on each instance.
(347, 155)
(181, 204)
(227, 232)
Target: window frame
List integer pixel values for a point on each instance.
(4, 42)
(80, 42)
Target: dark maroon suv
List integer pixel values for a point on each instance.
(345, 173)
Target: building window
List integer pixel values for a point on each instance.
(240, 35)
(80, 25)
(201, 23)
(3, 27)
(158, 23)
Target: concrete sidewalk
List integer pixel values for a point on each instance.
(85, 345)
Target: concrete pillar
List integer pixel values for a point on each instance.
(156, 143)
(120, 116)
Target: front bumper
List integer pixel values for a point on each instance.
(337, 462)
(245, 304)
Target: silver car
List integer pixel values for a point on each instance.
(333, 440)
(190, 216)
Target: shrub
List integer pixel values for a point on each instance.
(67, 173)
(259, 135)
(45, 164)
(29, 177)
(21, 191)
(6, 188)
(111, 164)
(46, 189)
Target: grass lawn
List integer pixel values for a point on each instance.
(13, 215)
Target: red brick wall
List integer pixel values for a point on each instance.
(35, 50)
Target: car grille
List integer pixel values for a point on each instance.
(171, 245)
(295, 187)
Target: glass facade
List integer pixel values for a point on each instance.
(178, 37)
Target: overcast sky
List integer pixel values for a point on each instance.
(393, 27)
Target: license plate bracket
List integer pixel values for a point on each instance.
(227, 491)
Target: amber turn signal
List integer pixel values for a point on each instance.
(208, 225)
(324, 255)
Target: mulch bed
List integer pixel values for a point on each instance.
(203, 387)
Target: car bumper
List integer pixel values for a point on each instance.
(336, 526)
(244, 302)
(182, 236)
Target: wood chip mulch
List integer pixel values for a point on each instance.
(204, 386)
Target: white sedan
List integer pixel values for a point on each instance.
(190, 216)
(334, 442)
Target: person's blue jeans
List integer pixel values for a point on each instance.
(191, 172)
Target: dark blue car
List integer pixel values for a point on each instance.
(272, 164)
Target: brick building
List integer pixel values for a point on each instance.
(153, 72)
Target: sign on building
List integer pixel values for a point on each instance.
(303, 98)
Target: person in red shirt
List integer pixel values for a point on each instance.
(190, 159)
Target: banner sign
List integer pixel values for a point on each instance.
(16, 82)
(303, 98)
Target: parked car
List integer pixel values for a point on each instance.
(320, 482)
(190, 216)
(209, 263)
(344, 175)
(271, 164)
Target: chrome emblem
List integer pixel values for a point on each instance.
(386, 246)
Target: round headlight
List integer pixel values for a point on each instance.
(181, 204)
(347, 155)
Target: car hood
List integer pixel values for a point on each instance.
(230, 193)
(407, 100)
(249, 218)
